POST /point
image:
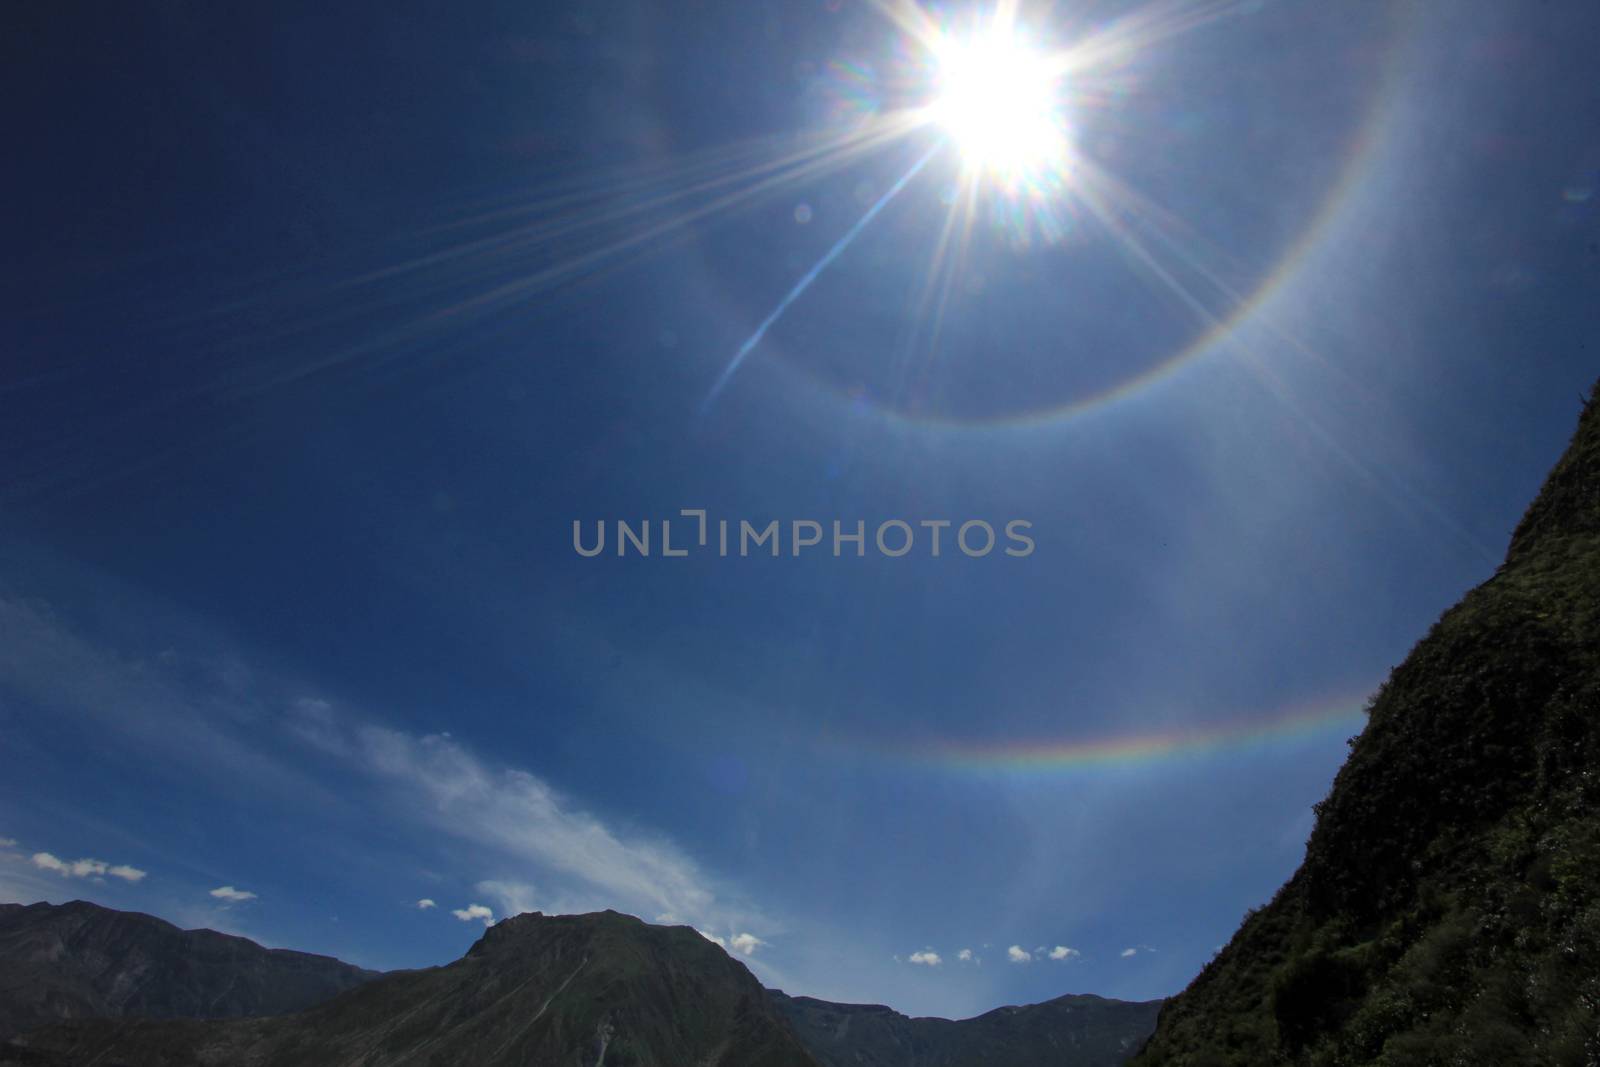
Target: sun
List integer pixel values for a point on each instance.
(999, 98)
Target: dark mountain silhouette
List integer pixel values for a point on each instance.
(1448, 909)
(80, 960)
(579, 990)
(558, 991)
(1080, 1031)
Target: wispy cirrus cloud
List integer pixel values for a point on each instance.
(514, 898)
(194, 715)
(226, 720)
(589, 865)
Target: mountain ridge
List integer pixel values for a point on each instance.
(80, 960)
(1093, 1030)
(581, 990)
(558, 956)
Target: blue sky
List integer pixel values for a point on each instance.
(322, 329)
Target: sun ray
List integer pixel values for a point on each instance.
(478, 264)
(911, 19)
(943, 266)
(835, 149)
(811, 275)
(1137, 31)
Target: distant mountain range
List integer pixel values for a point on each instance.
(1448, 909)
(1081, 1031)
(601, 990)
(80, 961)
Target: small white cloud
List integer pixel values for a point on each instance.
(1062, 952)
(232, 895)
(1018, 954)
(965, 955)
(745, 944)
(85, 868)
(1127, 952)
(926, 958)
(474, 911)
(425, 903)
(8, 842)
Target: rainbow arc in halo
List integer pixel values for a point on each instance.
(1065, 754)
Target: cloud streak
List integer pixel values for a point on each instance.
(514, 898)
(205, 719)
(215, 726)
(531, 824)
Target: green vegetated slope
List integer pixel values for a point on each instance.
(1448, 909)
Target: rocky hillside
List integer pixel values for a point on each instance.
(1070, 1031)
(558, 991)
(1448, 909)
(80, 960)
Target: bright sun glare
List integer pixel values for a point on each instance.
(999, 99)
